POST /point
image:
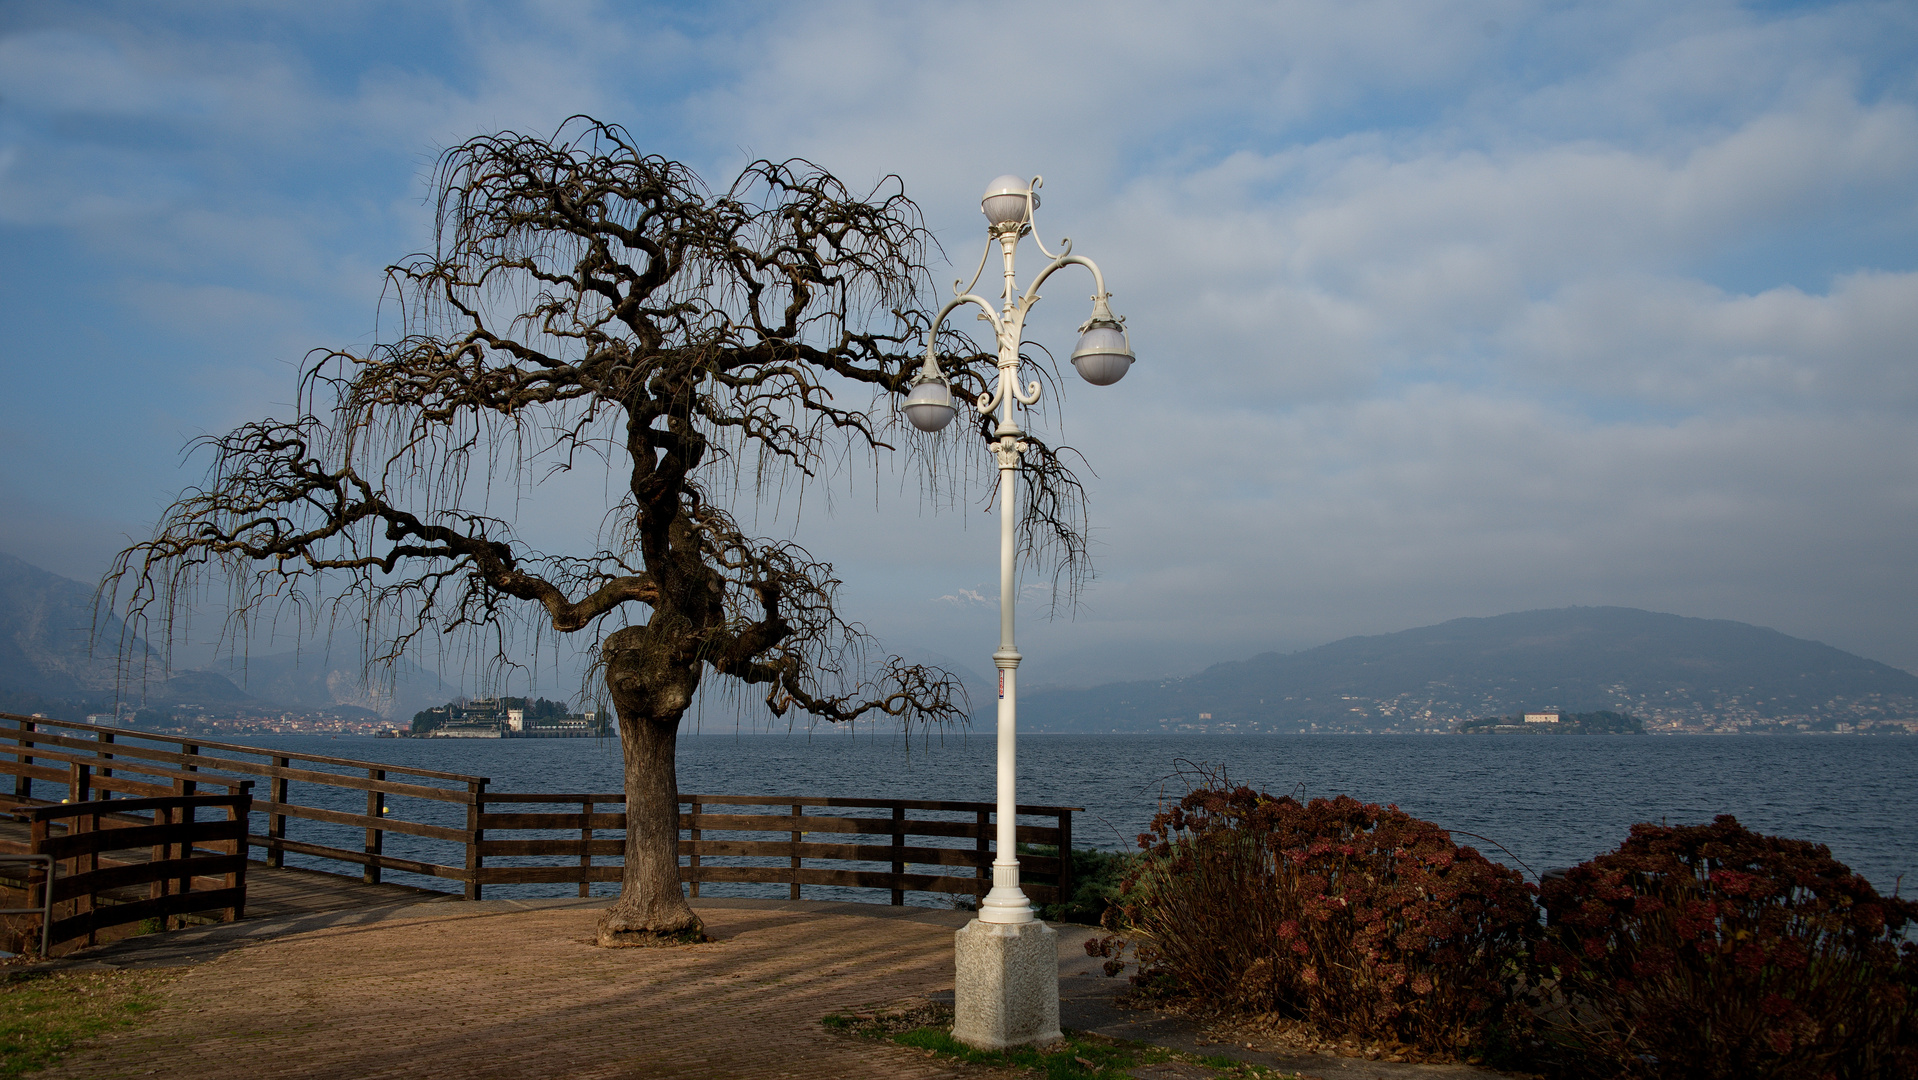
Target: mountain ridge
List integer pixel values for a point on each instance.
(1675, 671)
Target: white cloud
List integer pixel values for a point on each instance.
(1442, 308)
(1687, 345)
(969, 598)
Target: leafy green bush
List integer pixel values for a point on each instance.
(1096, 877)
(1360, 919)
(1713, 951)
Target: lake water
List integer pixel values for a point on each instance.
(1539, 802)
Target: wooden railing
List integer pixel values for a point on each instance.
(899, 845)
(779, 843)
(104, 854)
(89, 760)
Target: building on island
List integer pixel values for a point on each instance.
(505, 718)
(567, 726)
(1541, 718)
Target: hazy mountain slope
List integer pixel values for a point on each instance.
(317, 678)
(1579, 659)
(45, 665)
(203, 688)
(45, 634)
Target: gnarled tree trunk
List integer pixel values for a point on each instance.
(652, 908)
(651, 692)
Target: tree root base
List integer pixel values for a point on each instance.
(618, 930)
(647, 939)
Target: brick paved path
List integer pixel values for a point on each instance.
(449, 991)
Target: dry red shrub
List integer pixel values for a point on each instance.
(1713, 951)
(1360, 919)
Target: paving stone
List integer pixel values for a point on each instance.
(519, 991)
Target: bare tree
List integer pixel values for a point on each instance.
(590, 306)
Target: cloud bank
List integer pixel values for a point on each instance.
(1442, 309)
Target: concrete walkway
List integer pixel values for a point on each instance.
(515, 989)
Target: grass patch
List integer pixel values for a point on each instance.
(43, 1014)
(1082, 1056)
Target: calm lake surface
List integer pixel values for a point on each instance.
(1548, 801)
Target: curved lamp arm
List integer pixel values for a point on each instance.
(931, 368)
(929, 371)
(1064, 260)
(960, 290)
(1032, 207)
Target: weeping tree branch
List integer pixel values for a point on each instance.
(587, 305)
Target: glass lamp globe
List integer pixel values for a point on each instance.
(1005, 199)
(1104, 355)
(929, 406)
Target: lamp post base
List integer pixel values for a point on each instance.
(1006, 985)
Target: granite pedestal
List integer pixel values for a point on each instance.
(1006, 985)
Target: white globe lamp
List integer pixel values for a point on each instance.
(1103, 355)
(929, 406)
(1005, 200)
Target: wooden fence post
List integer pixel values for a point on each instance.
(106, 771)
(276, 821)
(187, 816)
(23, 784)
(797, 837)
(1065, 856)
(188, 787)
(375, 837)
(898, 853)
(85, 864)
(161, 887)
(79, 782)
(982, 858)
(236, 879)
(586, 846)
(40, 878)
(476, 790)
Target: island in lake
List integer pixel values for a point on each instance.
(1602, 722)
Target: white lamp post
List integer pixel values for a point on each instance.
(1007, 985)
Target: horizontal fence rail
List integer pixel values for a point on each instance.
(119, 861)
(450, 827)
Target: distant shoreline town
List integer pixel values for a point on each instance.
(478, 718)
(539, 718)
(1552, 722)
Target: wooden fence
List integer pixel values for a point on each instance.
(103, 855)
(500, 838)
(780, 841)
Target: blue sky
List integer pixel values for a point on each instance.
(1443, 309)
